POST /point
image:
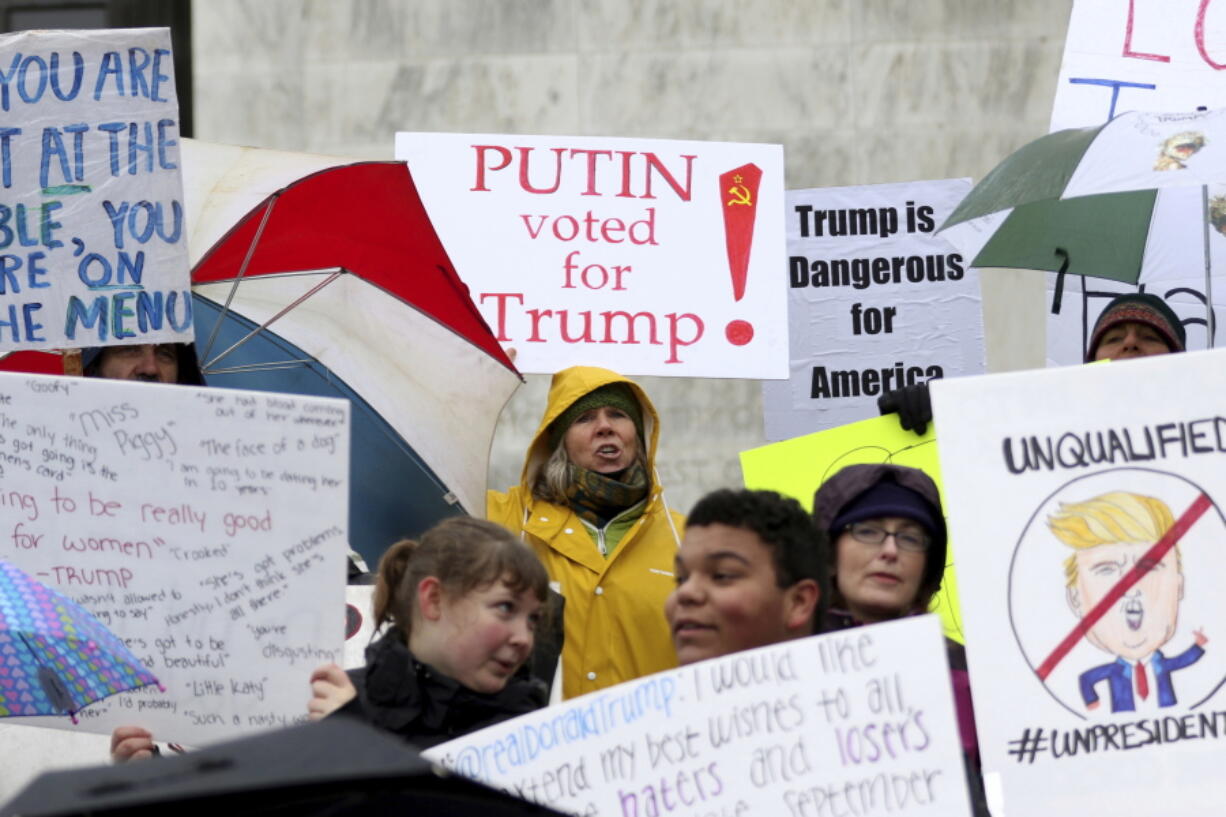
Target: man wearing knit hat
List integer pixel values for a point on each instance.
(1135, 325)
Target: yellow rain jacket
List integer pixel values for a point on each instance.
(614, 622)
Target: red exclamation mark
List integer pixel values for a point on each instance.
(739, 195)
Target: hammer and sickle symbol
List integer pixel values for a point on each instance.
(740, 195)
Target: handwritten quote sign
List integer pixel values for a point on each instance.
(1094, 621)
(205, 527)
(856, 722)
(92, 247)
(876, 302)
(648, 256)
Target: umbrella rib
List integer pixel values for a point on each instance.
(37, 659)
(263, 367)
(1209, 321)
(274, 318)
(268, 276)
(242, 270)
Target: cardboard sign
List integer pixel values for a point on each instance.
(846, 723)
(205, 527)
(797, 468)
(647, 256)
(1093, 604)
(1140, 55)
(92, 241)
(876, 302)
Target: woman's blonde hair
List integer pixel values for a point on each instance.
(555, 475)
(464, 554)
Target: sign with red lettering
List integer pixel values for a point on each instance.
(1147, 55)
(1140, 55)
(207, 528)
(652, 257)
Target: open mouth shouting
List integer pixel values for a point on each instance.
(1133, 614)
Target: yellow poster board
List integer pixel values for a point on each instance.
(798, 466)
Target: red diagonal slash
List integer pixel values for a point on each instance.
(1145, 564)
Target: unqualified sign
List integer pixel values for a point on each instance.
(647, 256)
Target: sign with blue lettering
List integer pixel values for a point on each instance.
(92, 244)
(1146, 55)
(1143, 55)
(855, 722)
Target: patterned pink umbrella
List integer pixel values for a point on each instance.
(55, 657)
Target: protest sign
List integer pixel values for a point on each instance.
(854, 722)
(1147, 55)
(798, 467)
(92, 247)
(1092, 600)
(875, 302)
(1140, 55)
(205, 527)
(648, 256)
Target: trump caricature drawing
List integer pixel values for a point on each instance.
(1111, 535)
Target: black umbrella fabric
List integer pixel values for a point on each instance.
(335, 767)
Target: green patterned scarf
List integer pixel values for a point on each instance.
(598, 498)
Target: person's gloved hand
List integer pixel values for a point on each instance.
(912, 404)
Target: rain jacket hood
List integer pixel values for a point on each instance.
(614, 579)
(568, 386)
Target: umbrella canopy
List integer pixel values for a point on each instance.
(56, 658)
(327, 278)
(1125, 201)
(321, 275)
(33, 362)
(336, 767)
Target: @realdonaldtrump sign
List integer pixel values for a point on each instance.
(858, 722)
(652, 257)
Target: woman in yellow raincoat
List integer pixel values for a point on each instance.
(590, 504)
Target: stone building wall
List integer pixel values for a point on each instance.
(858, 92)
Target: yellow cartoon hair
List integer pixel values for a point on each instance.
(1111, 518)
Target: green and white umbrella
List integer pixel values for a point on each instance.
(1131, 201)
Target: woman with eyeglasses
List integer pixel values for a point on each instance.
(888, 542)
(888, 539)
